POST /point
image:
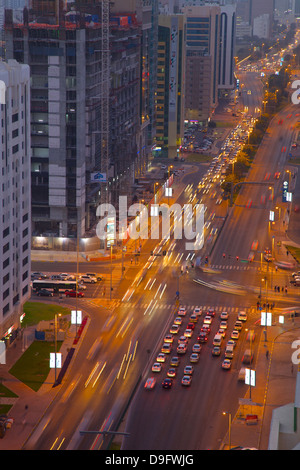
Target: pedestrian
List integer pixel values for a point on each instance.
(275, 288)
(282, 289)
(131, 260)
(267, 354)
(286, 289)
(278, 288)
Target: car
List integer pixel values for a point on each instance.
(242, 316)
(202, 338)
(268, 255)
(150, 383)
(174, 329)
(196, 348)
(223, 325)
(64, 276)
(224, 316)
(99, 278)
(231, 342)
(178, 321)
(88, 279)
(216, 351)
(235, 334)
(197, 311)
(186, 380)
(44, 293)
(238, 325)
(211, 312)
(194, 357)
(188, 333)
(38, 275)
(161, 357)
(181, 312)
(183, 340)
(193, 318)
(226, 364)
(190, 326)
(172, 372)
(166, 348)
(247, 357)
(72, 293)
(175, 361)
(188, 370)
(168, 338)
(207, 320)
(181, 348)
(156, 367)
(250, 336)
(221, 332)
(205, 328)
(167, 383)
(56, 277)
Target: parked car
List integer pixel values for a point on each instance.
(88, 279)
(44, 293)
(72, 293)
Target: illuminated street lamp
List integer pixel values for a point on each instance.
(229, 426)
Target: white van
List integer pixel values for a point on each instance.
(217, 340)
(229, 352)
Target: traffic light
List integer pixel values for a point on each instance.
(224, 256)
(237, 258)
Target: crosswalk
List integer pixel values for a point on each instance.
(115, 303)
(236, 267)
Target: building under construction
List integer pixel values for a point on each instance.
(85, 105)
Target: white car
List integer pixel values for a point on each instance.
(223, 325)
(207, 320)
(196, 348)
(188, 333)
(242, 316)
(188, 370)
(197, 311)
(226, 364)
(88, 279)
(224, 316)
(156, 367)
(181, 311)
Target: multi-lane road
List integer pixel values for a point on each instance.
(98, 388)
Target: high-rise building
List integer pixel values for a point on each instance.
(227, 47)
(170, 84)
(65, 62)
(202, 61)
(15, 209)
(147, 16)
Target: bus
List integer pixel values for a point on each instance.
(55, 286)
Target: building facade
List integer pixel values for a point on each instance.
(202, 61)
(65, 65)
(15, 208)
(170, 102)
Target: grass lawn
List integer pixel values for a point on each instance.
(225, 124)
(5, 392)
(295, 252)
(33, 366)
(294, 161)
(37, 311)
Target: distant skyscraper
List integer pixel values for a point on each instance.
(15, 208)
(202, 61)
(170, 84)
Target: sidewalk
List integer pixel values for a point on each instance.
(275, 387)
(29, 407)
